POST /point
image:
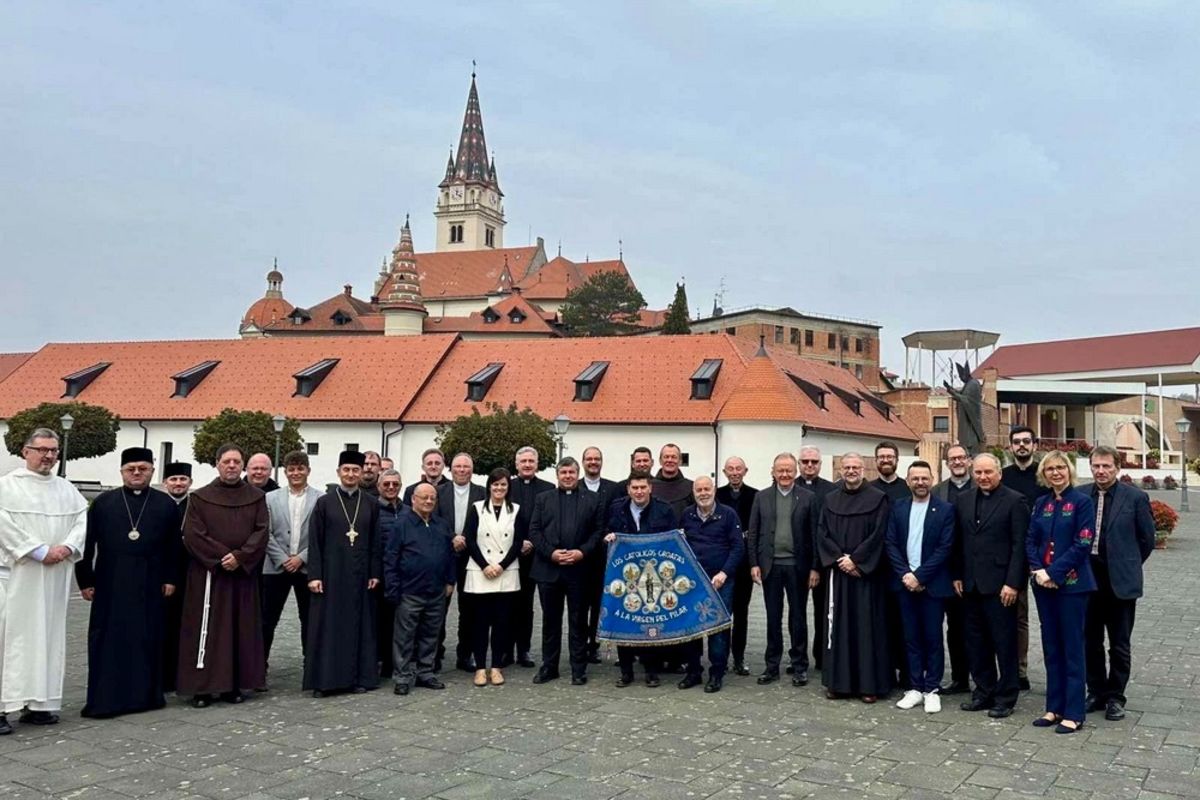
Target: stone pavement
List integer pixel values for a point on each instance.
(558, 741)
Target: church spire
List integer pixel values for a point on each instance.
(400, 299)
(471, 164)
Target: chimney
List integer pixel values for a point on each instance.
(347, 288)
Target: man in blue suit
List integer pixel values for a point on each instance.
(1124, 540)
(920, 538)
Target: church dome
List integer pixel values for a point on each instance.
(266, 310)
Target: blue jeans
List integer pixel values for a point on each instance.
(718, 643)
(922, 617)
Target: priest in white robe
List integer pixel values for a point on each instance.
(43, 526)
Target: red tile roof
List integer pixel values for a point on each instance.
(267, 311)
(535, 322)
(362, 317)
(10, 361)
(470, 273)
(375, 379)
(560, 275)
(1127, 351)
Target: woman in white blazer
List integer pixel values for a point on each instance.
(494, 539)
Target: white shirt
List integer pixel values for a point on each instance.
(592, 485)
(462, 497)
(916, 533)
(636, 511)
(296, 510)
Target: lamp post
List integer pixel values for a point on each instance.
(67, 422)
(1183, 425)
(561, 423)
(278, 421)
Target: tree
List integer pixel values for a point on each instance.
(493, 439)
(94, 432)
(253, 431)
(607, 304)
(676, 322)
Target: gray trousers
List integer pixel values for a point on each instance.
(415, 636)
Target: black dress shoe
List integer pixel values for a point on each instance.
(318, 694)
(767, 677)
(1092, 704)
(506, 660)
(955, 687)
(800, 678)
(740, 669)
(359, 690)
(465, 665)
(38, 717)
(689, 681)
(545, 676)
(430, 683)
(1114, 712)
(233, 698)
(1061, 728)
(976, 704)
(200, 701)
(1000, 712)
(400, 689)
(523, 660)
(579, 680)
(652, 680)
(5, 728)
(625, 679)
(1023, 684)
(594, 657)
(790, 670)
(714, 685)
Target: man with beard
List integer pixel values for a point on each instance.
(344, 564)
(810, 461)
(850, 543)
(258, 473)
(220, 640)
(43, 526)
(177, 481)
(887, 458)
(565, 527)
(739, 496)
(370, 472)
(454, 501)
(129, 567)
(433, 471)
(669, 484)
(958, 460)
(640, 460)
(523, 491)
(606, 493)
(390, 511)
(989, 565)
(1021, 475)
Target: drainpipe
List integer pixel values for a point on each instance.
(386, 437)
(145, 434)
(716, 451)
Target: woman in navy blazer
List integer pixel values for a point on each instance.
(1058, 547)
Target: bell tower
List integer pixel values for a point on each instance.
(470, 205)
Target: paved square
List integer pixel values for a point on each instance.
(578, 743)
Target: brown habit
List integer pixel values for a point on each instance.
(223, 519)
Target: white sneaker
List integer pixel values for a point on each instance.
(933, 703)
(911, 699)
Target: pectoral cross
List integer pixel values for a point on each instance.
(352, 535)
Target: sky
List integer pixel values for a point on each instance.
(1024, 168)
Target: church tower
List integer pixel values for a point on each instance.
(400, 295)
(470, 205)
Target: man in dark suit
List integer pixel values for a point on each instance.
(920, 537)
(606, 493)
(1124, 540)
(958, 460)
(523, 491)
(780, 541)
(1021, 475)
(739, 496)
(566, 526)
(454, 499)
(810, 478)
(989, 569)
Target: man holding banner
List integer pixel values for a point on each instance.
(715, 536)
(640, 513)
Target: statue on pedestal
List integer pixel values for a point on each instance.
(969, 405)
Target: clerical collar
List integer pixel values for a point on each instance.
(348, 492)
(960, 482)
(735, 491)
(566, 491)
(985, 492)
(135, 492)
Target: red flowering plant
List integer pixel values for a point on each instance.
(1169, 482)
(1149, 482)
(1125, 479)
(1165, 517)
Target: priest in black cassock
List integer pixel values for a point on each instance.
(177, 481)
(130, 566)
(345, 562)
(850, 545)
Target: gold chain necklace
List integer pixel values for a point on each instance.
(351, 534)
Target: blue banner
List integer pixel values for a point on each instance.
(656, 592)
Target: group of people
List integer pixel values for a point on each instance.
(187, 587)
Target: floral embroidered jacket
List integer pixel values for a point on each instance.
(1060, 539)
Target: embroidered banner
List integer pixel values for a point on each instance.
(656, 592)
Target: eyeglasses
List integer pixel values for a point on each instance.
(810, 461)
(958, 458)
(132, 468)
(43, 451)
(1055, 468)
(1025, 440)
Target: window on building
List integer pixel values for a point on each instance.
(808, 338)
(858, 344)
(778, 334)
(845, 342)
(489, 236)
(731, 331)
(351, 446)
(941, 424)
(168, 453)
(831, 341)
(456, 233)
(312, 448)
(309, 378)
(588, 381)
(685, 459)
(704, 379)
(76, 382)
(479, 383)
(794, 335)
(858, 373)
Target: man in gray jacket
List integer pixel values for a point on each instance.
(290, 508)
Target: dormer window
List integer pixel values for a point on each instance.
(309, 378)
(299, 316)
(490, 315)
(189, 379)
(516, 316)
(78, 381)
(879, 405)
(588, 381)
(479, 383)
(341, 317)
(704, 379)
(814, 392)
(852, 401)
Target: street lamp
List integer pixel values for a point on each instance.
(67, 422)
(1183, 425)
(278, 421)
(561, 423)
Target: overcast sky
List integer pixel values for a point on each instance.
(1028, 168)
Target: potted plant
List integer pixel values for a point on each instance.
(1149, 482)
(1169, 482)
(1153, 457)
(1125, 478)
(1165, 520)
